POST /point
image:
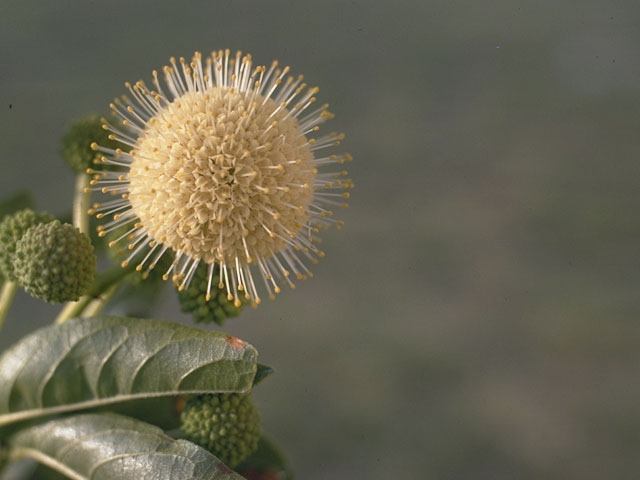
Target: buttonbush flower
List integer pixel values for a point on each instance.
(220, 165)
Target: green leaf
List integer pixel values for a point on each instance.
(91, 362)
(265, 462)
(163, 412)
(108, 446)
(263, 372)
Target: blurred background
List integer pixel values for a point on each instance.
(477, 317)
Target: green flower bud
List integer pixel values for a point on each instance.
(228, 425)
(55, 262)
(194, 299)
(12, 228)
(76, 143)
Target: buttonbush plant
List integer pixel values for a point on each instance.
(213, 178)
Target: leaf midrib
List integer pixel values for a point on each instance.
(23, 415)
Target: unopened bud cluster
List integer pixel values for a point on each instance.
(228, 425)
(51, 260)
(55, 262)
(207, 303)
(76, 143)
(12, 228)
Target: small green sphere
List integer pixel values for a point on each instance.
(227, 424)
(194, 299)
(55, 262)
(76, 143)
(12, 228)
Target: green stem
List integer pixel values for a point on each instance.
(72, 309)
(7, 294)
(97, 305)
(81, 201)
(104, 281)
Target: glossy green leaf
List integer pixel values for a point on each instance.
(108, 446)
(91, 362)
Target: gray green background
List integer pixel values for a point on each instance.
(477, 317)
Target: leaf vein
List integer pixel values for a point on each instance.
(55, 365)
(104, 362)
(136, 371)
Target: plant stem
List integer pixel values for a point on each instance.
(72, 309)
(104, 281)
(97, 305)
(81, 222)
(81, 201)
(7, 294)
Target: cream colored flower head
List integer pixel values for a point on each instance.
(220, 164)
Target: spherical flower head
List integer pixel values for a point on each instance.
(220, 167)
(12, 228)
(204, 302)
(55, 262)
(228, 425)
(76, 142)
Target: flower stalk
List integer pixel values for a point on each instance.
(100, 293)
(7, 295)
(81, 201)
(96, 305)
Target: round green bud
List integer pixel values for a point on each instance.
(12, 228)
(227, 424)
(55, 262)
(77, 141)
(194, 300)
